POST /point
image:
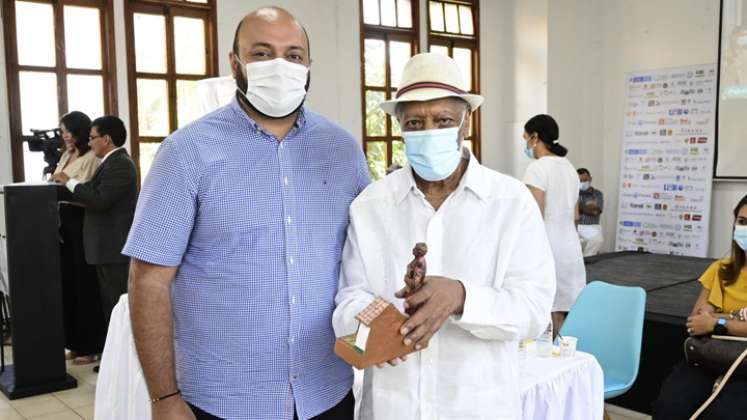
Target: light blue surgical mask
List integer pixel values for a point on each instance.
(528, 151)
(740, 236)
(433, 154)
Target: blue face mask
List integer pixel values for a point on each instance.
(740, 236)
(433, 154)
(528, 151)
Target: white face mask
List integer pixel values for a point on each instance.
(434, 154)
(276, 87)
(585, 185)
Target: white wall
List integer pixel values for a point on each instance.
(513, 75)
(6, 169)
(332, 26)
(6, 172)
(123, 103)
(575, 79)
(592, 47)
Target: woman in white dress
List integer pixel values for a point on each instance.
(553, 181)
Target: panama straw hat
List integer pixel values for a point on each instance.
(429, 76)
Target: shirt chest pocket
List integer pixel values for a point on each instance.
(322, 201)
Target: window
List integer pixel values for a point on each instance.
(453, 30)
(389, 32)
(170, 45)
(60, 58)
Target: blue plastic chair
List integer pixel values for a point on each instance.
(608, 321)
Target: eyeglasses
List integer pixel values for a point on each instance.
(92, 138)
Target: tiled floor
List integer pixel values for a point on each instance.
(73, 404)
(77, 403)
(619, 413)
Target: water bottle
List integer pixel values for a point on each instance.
(544, 342)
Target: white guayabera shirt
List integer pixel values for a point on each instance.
(489, 234)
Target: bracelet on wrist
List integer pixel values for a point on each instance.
(163, 397)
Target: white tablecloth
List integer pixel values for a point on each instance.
(120, 389)
(552, 388)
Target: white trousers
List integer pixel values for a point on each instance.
(591, 239)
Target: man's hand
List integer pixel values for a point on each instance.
(436, 300)
(701, 323)
(61, 177)
(174, 408)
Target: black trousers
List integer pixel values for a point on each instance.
(85, 327)
(344, 410)
(687, 388)
(113, 283)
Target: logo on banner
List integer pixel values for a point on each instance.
(667, 161)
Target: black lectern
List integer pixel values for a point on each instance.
(35, 282)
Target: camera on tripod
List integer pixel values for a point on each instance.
(49, 142)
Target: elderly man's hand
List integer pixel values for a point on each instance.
(436, 300)
(60, 177)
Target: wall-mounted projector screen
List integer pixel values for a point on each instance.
(731, 151)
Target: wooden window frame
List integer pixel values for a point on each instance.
(169, 9)
(108, 70)
(471, 42)
(387, 34)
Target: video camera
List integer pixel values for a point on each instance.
(49, 142)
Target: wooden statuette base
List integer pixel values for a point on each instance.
(384, 341)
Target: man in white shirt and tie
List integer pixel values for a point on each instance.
(490, 279)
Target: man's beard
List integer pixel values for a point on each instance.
(242, 85)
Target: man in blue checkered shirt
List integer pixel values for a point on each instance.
(236, 246)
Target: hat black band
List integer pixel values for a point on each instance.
(424, 85)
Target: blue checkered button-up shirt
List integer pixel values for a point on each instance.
(256, 227)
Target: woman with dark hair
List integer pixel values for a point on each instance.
(721, 308)
(84, 323)
(554, 183)
(76, 159)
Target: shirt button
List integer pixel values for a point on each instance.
(292, 340)
(289, 220)
(291, 260)
(285, 180)
(293, 300)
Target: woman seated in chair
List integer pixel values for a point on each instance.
(717, 311)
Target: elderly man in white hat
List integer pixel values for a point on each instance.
(490, 272)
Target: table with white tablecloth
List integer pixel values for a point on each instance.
(121, 393)
(556, 388)
(552, 388)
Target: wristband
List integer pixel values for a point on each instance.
(163, 397)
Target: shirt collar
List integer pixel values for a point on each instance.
(299, 123)
(108, 154)
(472, 180)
